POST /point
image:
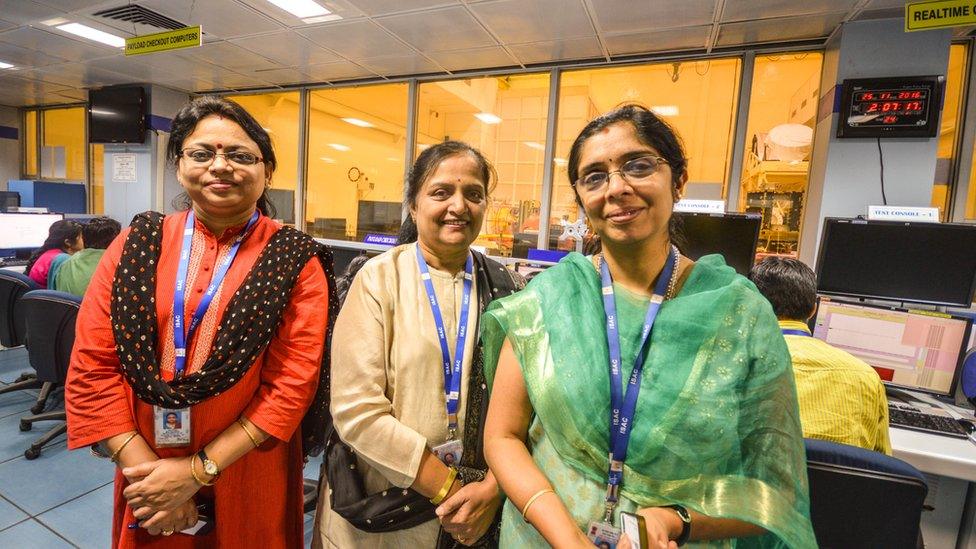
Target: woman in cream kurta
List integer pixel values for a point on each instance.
(389, 406)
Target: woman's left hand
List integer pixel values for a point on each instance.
(467, 514)
(166, 484)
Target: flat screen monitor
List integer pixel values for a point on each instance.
(734, 236)
(9, 199)
(917, 262)
(25, 230)
(914, 350)
(117, 114)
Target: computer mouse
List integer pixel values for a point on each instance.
(968, 424)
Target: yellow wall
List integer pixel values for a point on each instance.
(65, 128)
(30, 143)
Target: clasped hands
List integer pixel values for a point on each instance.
(468, 513)
(160, 494)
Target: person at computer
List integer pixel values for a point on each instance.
(216, 313)
(63, 237)
(842, 399)
(75, 273)
(712, 448)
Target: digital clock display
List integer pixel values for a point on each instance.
(890, 107)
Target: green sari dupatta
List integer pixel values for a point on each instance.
(716, 427)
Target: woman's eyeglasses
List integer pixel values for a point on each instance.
(633, 170)
(204, 157)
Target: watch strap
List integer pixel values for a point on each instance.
(203, 462)
(685, 517)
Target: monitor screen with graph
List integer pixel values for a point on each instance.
(910, 349)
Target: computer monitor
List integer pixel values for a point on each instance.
(378, 217)
(917, 262)
(910, 349)
(25, 230)
(734, 236)
(9, 199)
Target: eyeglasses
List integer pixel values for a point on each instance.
(204, 157)
(633, 170)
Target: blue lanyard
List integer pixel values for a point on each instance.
(181, 335)
(452, 368)
(622, 406)
(788, 332)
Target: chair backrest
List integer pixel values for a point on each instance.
(967, 377)
(50, 319)
(13, 286)
(863, 499)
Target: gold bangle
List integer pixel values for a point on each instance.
(115, 454)
(451, 476)
(254, 441)
(532, 499)
(193, 473)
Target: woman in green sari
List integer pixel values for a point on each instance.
(695, 406)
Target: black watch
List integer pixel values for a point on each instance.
(685, 517)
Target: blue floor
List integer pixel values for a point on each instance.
(62, 498)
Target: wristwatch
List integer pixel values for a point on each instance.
(209, 466)
(685, 517)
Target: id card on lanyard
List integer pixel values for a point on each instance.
(624, 404)
(450, 451)
(167, 435)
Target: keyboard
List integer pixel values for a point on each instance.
(929, 423)
(9, 262)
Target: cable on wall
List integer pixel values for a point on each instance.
(884, 199)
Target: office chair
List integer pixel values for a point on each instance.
(863, 499)
(13, 330)
(50, 320)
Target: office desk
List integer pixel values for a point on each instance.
(950, 465)
(15, 268)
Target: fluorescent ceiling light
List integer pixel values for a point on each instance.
(534, 145)
(487, 118)
(104, 112)
(665, 110)
(85, 31)
(392, 159)
(339, 147)
(327, 160)
(322, 19)
(55, 22)
(5, 65)
(357, 122)
(301, 8)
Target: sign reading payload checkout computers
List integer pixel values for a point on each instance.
(939, 14)
(187, 37)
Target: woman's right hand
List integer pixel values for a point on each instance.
(180, 518)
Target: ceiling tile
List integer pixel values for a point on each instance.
(475, 58)
(135, 68)
(5, 25)
(380, 7)
(25, 58)
(25, 12)
(287, 48)
(560, 50)
(71, 50)
(778, 30)
(631, 16)
(230, 56)
(878, 4)
(399, 65)
(442, 29)
(692, 38)
(280, 76)
(340, 70)
(220, 18)
(88, 6)
(882, 13)
(747, 10)
(355, 39)
(73, 94)
(516, 21)
(217, 80)
(78, 75)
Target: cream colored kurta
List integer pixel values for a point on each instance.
(388, 384)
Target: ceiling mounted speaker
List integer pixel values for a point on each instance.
(968, 376)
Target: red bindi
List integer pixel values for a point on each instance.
(219, 146)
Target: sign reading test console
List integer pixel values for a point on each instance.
(939, 14)
(187, 37)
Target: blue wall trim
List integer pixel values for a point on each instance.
(7, 132)
(160, 123)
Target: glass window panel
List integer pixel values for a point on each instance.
(515, 145)
(356, 145)
(697, 98)
(30, 143)
(63, 146)
(278, 113)
(783, 103)
(945, 162)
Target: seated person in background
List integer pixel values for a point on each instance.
(64, 237)
(841, 398)
(75, 273)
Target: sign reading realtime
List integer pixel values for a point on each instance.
(890, 107)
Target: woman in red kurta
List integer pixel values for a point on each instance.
(246, 421)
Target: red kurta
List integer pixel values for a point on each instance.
(258, 499)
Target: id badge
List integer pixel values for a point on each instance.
(449, 453)
(172, 427)
(603, 535)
